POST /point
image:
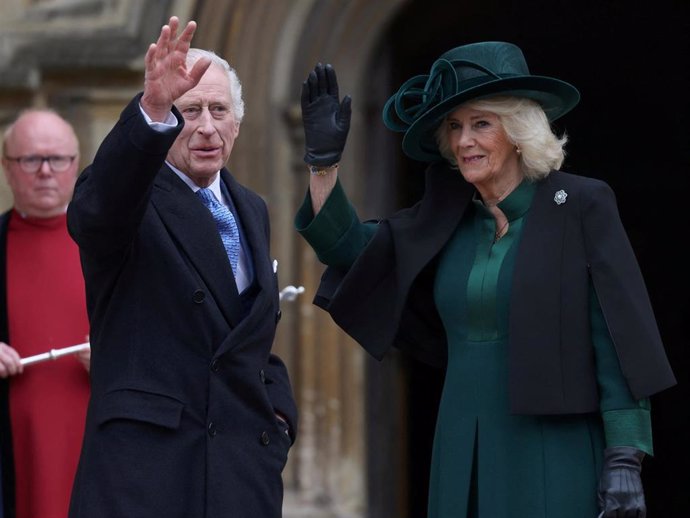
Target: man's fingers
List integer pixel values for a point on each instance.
(167, 39)
(174, 23)
(10, 362)
(163, 42)
(169, 42)
(10, 352)
(185, 39)
(199, 69)
(150, 55)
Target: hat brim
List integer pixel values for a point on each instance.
(556, 97)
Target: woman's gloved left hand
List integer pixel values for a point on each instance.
(325, 117)
(620, 485)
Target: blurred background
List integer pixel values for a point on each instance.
(366, 426)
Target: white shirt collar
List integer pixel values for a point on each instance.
(215, 184)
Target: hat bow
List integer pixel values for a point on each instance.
(420, 93)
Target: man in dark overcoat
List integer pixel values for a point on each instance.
(191, 415)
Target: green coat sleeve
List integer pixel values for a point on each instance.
(627, 421)
(335, 233)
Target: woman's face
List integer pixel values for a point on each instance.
(485, 156)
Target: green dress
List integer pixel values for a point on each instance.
(487, 462)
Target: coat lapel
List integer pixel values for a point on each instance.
(192, 226)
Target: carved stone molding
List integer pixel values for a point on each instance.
(76, 34)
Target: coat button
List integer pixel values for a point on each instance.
(279, 314)
(265, 439)
(262, 376)
(198, 296)
(212, 429)
(215, 365)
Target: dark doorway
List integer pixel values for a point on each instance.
(629, 59)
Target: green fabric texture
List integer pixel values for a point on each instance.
(335, 234)
(630, 427)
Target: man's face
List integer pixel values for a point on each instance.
(204, 145)
(46, 192)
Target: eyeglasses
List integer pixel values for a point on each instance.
(32, 164)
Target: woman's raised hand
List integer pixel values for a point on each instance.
(326, 119)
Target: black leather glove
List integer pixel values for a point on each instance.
(326, 120)
(620, 485)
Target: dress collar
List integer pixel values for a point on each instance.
(514, 206)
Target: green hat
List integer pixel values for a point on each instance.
(474, 71)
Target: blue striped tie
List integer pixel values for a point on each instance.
(227, 227)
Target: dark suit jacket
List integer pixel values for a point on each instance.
(185, 389)
(386, 297)
(6, 452)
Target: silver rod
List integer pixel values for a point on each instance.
(54, 354)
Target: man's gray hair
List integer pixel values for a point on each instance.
(235, 86)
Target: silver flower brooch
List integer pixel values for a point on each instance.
(560, 197)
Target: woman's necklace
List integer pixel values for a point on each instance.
(501, 232)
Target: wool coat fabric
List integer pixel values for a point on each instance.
(185, 390)
(386, 299)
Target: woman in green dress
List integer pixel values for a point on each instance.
(515, 277)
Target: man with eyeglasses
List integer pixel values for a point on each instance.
(42, 307)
